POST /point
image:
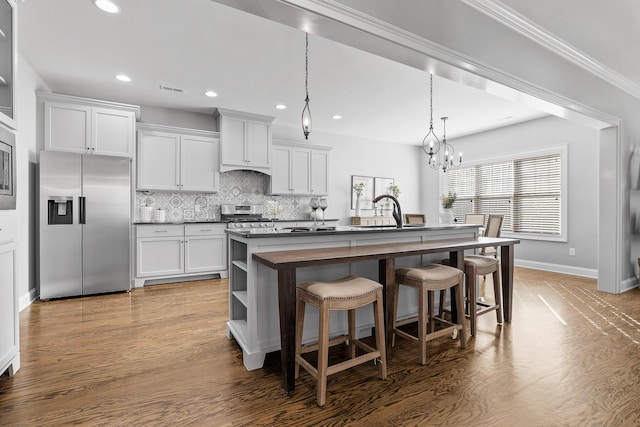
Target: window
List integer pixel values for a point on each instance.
(528, 191)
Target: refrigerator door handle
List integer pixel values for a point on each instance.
(83, 211)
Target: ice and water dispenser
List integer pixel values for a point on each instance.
(60, 210)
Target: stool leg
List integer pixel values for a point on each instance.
(472, 283)
(497, 293)
(300, 307)
(460, 310)
(378, 314)
(443, 295)
(422, 324)
(396, 291)
(323, 353)
(352, 333)
(431, 311)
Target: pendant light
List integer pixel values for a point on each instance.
(440, 154)
(306, 112)
(431, 143)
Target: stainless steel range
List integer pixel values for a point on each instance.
(245, 217)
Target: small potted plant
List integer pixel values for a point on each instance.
(448, 200)
(394, 190)
(358, 189)
(448, 216)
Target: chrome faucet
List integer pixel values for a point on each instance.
(397, 211)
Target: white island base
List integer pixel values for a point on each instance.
(253, 288)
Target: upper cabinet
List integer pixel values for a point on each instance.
(8, 59)
(299, 169)
(245, 141)
(87, 126)
(177, 159)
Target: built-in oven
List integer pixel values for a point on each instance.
(7, 170)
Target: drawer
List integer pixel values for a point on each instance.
(8, 227)
(204, 229)
(158, 230)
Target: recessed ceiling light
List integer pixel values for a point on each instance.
(211, 94)
(281, 107)
(123, 78)
(336, 117)
(106, 6)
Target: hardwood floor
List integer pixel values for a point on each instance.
(160, 356)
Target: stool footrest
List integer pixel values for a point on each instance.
(350, 363)
(307, 348)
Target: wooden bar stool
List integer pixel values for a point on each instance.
(348, 293)
(474, 266)
(428, 279)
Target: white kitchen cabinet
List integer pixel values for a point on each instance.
(291, 172)
(88, 126)
(175, 250)
(320, 172)
(9, 332)
(159, 250)
(299, 169)
(245, 141)
(205, 247)
(177, 159)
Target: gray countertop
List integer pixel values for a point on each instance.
(326, 230)
(180, 222)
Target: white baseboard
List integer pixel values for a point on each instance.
(26, 299)
(629, 284)
(558, 268)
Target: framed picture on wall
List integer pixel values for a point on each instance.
(366, 184)
(381, 186)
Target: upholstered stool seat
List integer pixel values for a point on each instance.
(427, 280)
(348, 293)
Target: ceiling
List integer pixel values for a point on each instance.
(254, 64)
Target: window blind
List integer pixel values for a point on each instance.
(527, 191)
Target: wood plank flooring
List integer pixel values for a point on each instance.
(159, 356)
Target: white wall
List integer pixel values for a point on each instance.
(582, 169)
(27, 82)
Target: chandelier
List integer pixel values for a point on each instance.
(441, 153)
(306, 112)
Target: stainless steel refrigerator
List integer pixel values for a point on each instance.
(85, 222)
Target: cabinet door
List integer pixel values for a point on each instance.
(205, 253)
(300, 171)
(112, 132)
(199, 164)
(233, 137)
(319, 173)
(8, 306)
(160, 256)
(281, 171)
(259, 144)
(67, 127)
(158, 161)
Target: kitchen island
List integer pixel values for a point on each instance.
(253, 287)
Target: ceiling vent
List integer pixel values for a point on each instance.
(171, 89)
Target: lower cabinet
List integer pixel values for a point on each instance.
(173, 250)
(9, 341)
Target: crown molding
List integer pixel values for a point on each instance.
(511, 19)
(336, 11)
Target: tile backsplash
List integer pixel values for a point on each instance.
(236, 187)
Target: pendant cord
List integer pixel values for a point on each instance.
(431, 100)
(306, 66)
